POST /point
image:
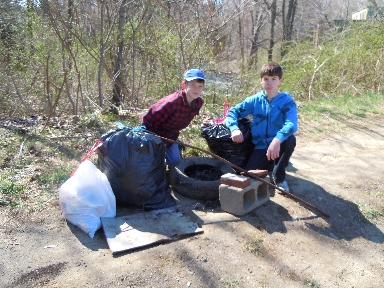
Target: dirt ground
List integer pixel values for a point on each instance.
(281, 244)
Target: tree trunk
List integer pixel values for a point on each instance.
(116, 93)
(272, 34)
(241, 41)
(101, 60)
(258, 22)
(288, 21)
(67, 63)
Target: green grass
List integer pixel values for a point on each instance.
(24, 161)
(232, 283)
(57, 175)
(311, 283)
(11, 190)
(343, 107)
(333, 114)
(254, 245)
(370, 213)
(11, 187)
(14, 189)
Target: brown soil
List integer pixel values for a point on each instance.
(280, 244)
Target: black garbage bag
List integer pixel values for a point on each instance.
(218, 137)
(133, 161)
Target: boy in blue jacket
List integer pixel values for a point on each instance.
(274, 122)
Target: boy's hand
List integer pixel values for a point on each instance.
(237, 136)
(273, 151)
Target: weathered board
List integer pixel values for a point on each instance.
(143, 229)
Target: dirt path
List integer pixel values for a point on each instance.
(281, 244)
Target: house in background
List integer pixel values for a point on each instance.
(368, 13)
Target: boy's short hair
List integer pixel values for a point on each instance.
(271, 69)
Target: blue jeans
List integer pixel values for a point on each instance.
(173, 154)
(259, 160)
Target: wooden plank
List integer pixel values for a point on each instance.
(143, 229)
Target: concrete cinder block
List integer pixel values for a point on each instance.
(234, 180)
(240, 201)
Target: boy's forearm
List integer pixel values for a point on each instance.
(232, 118)
(289, 128)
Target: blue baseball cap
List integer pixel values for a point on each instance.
(194, 74)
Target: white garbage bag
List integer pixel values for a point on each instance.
(87, 196)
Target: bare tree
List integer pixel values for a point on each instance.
(241, 39)
(273, 12)
(118, 75)
(258, 21)
(101, 55)
(288, 21)
(67, 62)
(139, 15)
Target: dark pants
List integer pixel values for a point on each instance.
(259, 160)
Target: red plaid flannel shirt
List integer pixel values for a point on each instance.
(168, 116)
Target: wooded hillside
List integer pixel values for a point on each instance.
(76, 57)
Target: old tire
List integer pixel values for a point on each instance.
(198, 177)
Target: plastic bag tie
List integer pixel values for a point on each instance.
(95, 146)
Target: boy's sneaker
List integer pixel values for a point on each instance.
(283, 185)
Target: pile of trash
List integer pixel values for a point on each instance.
(130, 171)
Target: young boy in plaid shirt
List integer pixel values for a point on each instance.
(168, 116)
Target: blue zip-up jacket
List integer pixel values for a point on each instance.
(275, 119)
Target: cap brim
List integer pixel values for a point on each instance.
(193, 78)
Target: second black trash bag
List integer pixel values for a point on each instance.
(218, 137)
(133, 161)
